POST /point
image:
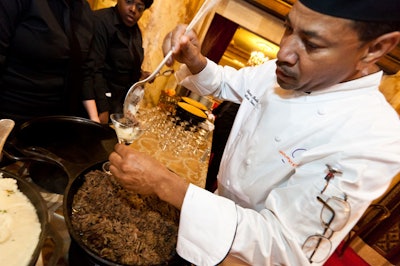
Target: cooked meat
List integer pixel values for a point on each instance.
(123, 227)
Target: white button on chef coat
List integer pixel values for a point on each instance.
(321, 111)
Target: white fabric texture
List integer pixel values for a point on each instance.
(274, 165)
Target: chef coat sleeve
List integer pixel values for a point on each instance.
(225, 83)
(201, 240)
(212, 226)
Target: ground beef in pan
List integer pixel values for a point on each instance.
(123, 227)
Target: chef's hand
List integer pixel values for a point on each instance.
(186, 49)
(143, 174)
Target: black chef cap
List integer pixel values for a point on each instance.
(365, 10)
(147, 3)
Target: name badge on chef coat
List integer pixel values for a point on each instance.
(251, 98)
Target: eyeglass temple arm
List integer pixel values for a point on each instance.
(331, 209)
(331, 174)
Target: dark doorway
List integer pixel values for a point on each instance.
(218, 37)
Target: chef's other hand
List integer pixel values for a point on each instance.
(186, 49)
(140, 173)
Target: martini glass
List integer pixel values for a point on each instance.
(127, 130)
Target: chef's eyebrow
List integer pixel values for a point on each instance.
(307, 33)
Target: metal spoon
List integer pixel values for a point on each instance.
(136, 91)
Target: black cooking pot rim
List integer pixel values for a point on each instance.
(67, 208)
(69, 144)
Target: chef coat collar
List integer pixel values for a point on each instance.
(371, 81)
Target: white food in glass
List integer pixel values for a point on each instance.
(127, 134)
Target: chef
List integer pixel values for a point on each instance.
(313, 144)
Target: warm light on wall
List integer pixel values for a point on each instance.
(257, 58)
(100, 4)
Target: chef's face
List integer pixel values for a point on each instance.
(130, 11)
(317, 51)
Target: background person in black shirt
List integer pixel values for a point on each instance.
(225, 115)
(43, 45)
(118, 54)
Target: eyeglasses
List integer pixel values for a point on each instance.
(138, 6)
(334, 216)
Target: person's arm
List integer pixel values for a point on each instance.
(143, 174)
(94, 89)
(203, 76)
(216, 217)
(91, 109)
(186, 49)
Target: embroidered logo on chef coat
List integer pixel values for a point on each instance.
(251, 98)
(291, 158)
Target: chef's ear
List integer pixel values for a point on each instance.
(379, 47)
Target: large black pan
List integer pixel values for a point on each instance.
(70, 192)
(41, 209)
(58, 148)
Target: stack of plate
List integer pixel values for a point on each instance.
(191, 111)
(195, 103)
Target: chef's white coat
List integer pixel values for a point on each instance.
(274, 165)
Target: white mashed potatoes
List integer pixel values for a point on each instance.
(19, 225)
